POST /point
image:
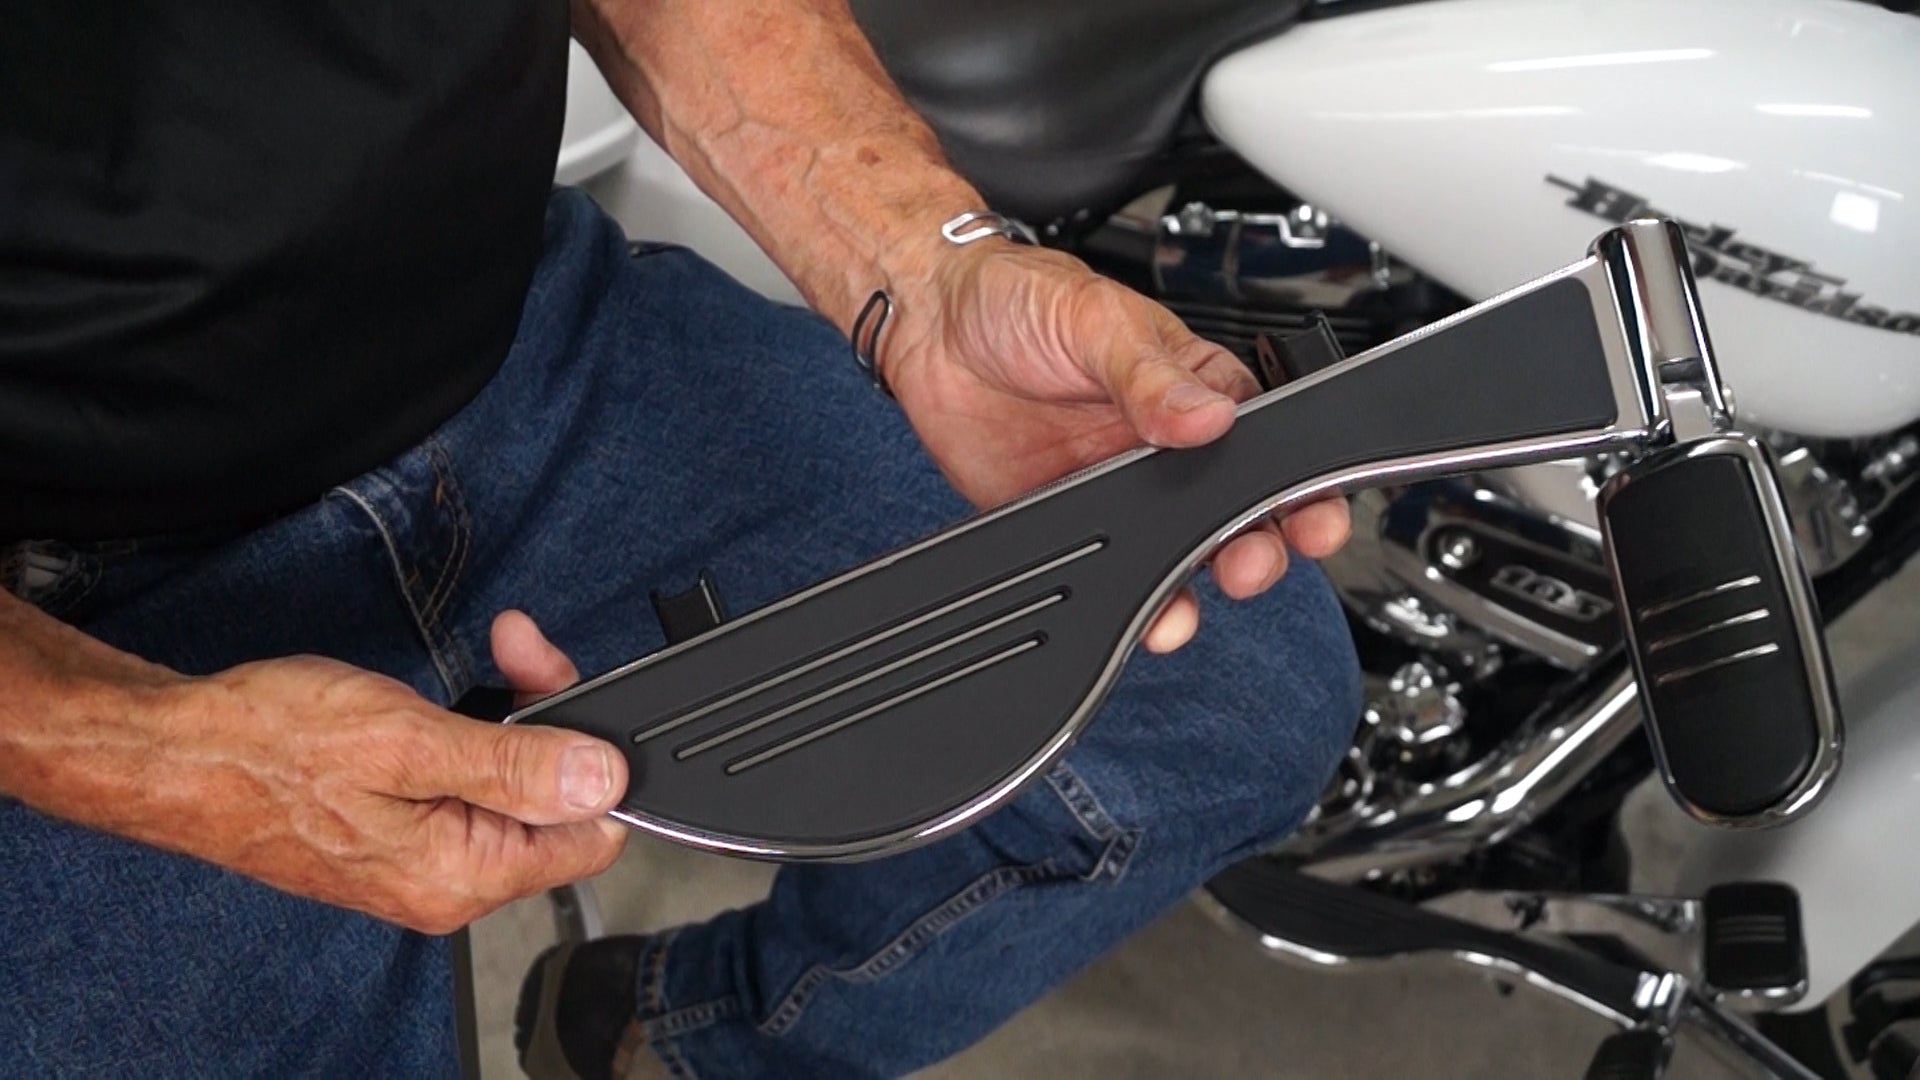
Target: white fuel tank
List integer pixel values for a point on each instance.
(1486, 141)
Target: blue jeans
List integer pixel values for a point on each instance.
(654, 418)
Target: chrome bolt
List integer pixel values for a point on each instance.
(1194, 219)
(1459, 551)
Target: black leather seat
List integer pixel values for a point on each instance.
(1052, 106)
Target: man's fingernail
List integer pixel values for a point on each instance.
(1270, 574)
(586, 776)
(1186, 397)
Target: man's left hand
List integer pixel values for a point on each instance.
(1019, 365)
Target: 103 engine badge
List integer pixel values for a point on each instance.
(1550, 593)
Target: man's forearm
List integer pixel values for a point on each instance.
(781, 112)
(74, 730)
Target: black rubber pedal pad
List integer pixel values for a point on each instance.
(1753, 940)
(1631, 1055)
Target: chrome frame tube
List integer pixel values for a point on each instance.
(1478, 806)
(1735, 1033)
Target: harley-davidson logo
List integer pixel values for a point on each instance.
(1718, 256)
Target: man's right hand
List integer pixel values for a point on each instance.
(327, 781)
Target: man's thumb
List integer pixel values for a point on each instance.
(533, 666)
(1169, 405)
(533, 774)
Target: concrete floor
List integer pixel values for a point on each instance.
(1189, 998)
(1184, 998)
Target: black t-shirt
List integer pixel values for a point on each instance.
(250, 250)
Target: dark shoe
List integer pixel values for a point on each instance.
(575, 1019)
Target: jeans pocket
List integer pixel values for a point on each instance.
(417, 508)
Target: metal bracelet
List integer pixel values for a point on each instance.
(980, 224)
(865, 337)
(872, 320)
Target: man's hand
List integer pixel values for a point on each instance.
(333, 783)
(1019, 365)
(1016, 367)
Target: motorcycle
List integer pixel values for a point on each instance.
(1302, 176)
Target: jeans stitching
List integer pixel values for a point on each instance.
(651, 1001)
(651, 989)
(1117, 856)
(1082, 803)
(676, 1063)
(400, 582)
(692, 1018)
(908, 943)
(447, 486)
(1085, 807)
